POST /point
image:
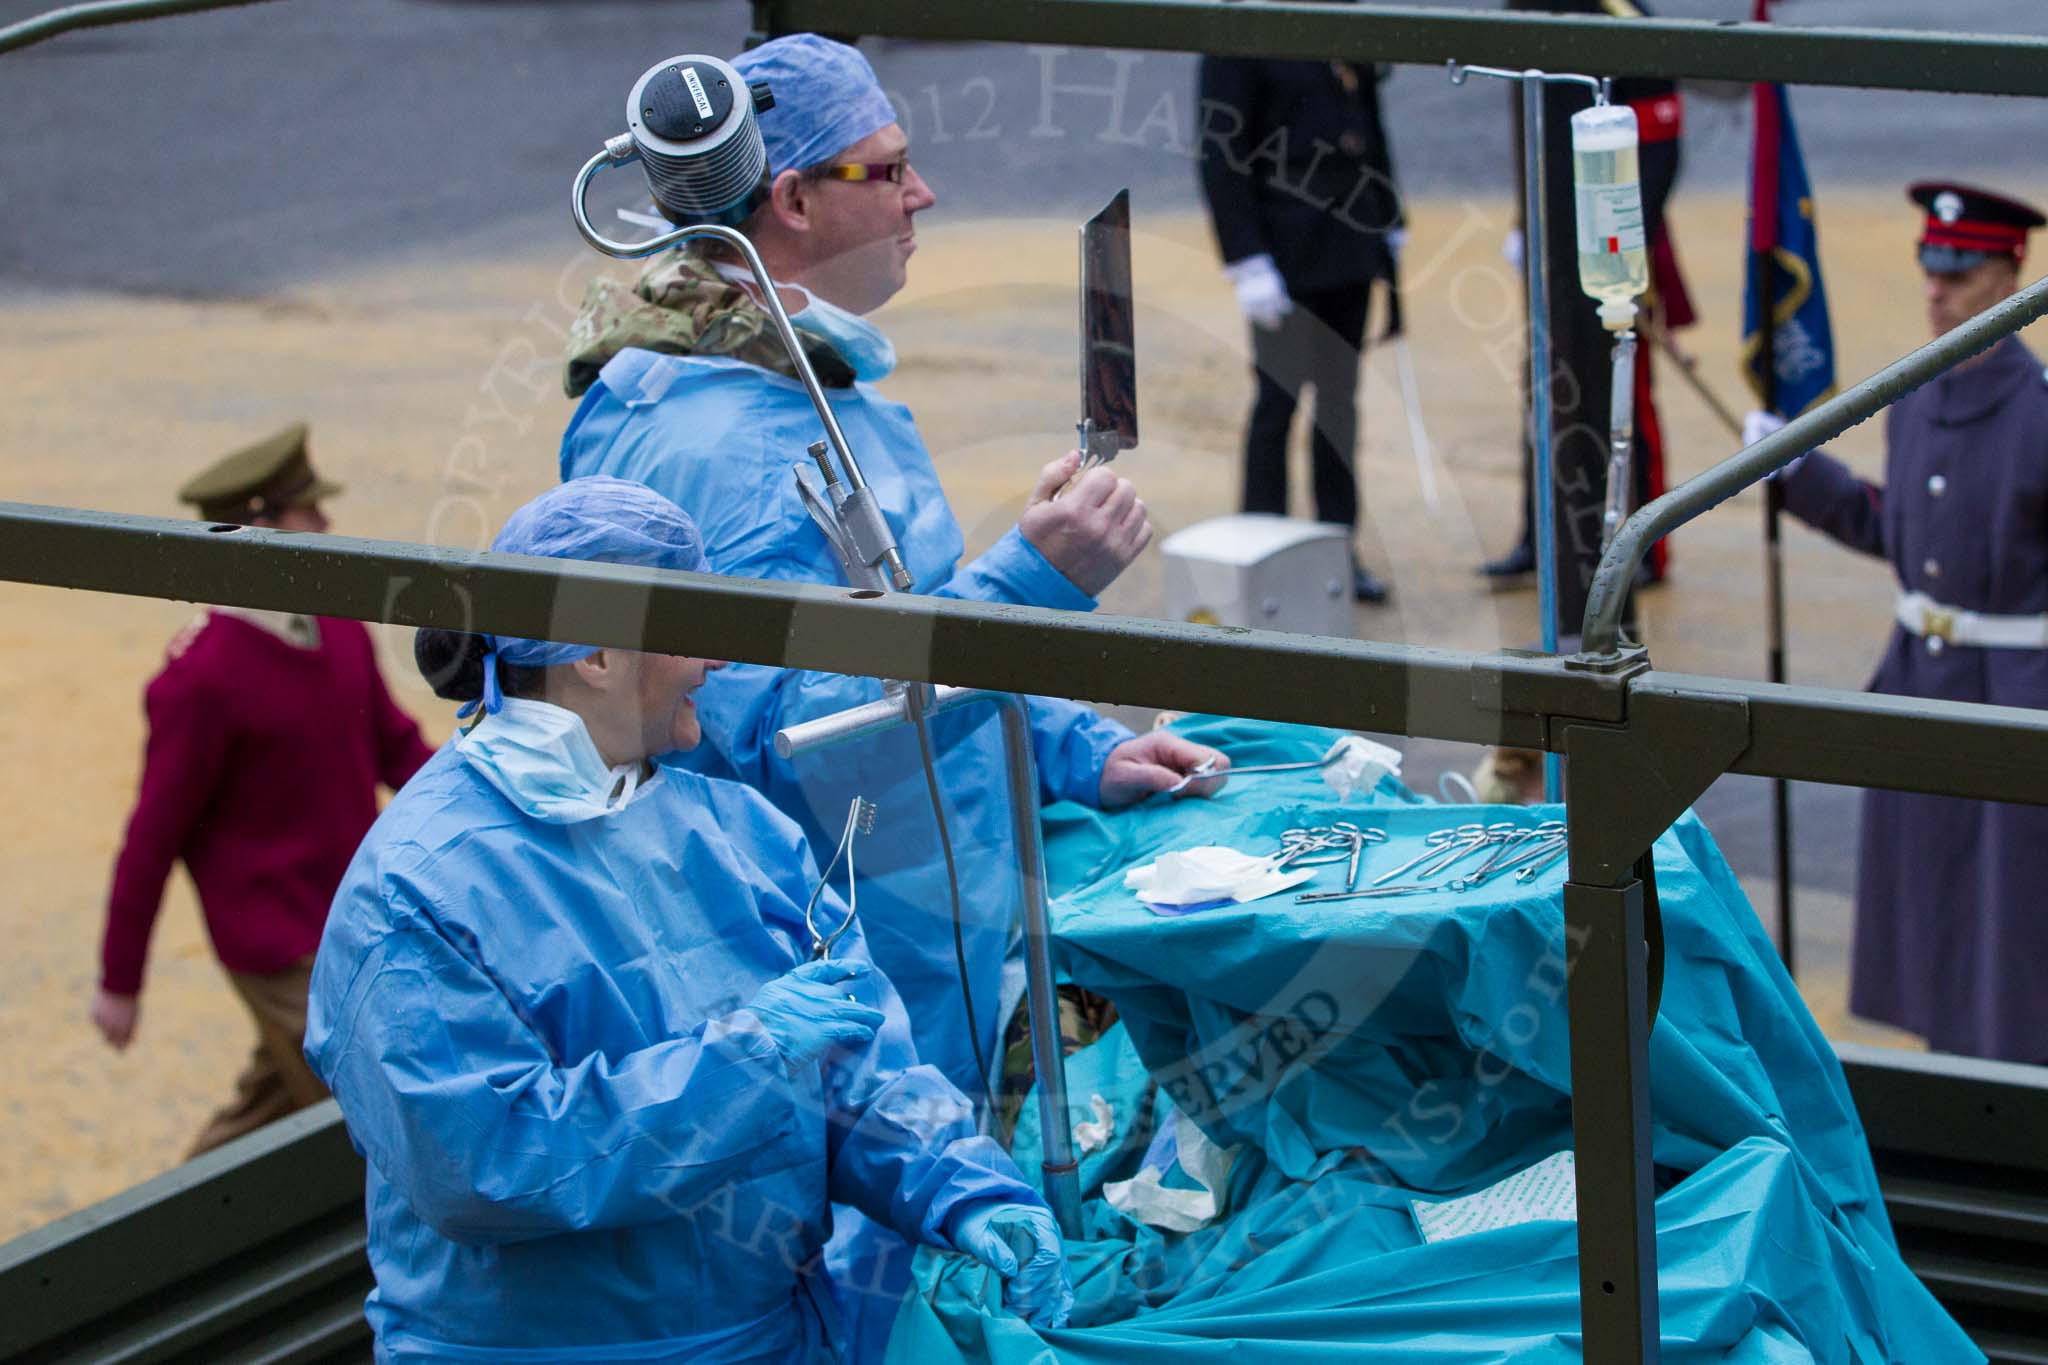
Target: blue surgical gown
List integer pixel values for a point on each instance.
(718, 437)
(580, 1142)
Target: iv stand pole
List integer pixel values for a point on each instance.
(1615, 1206)
(1536, 275)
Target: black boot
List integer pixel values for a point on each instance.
(1366, 588)
(1513, 564)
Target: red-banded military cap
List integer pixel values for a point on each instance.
(1966, 226)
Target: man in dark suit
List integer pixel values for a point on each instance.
(1300, 186)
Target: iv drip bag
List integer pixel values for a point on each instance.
(1614, 260)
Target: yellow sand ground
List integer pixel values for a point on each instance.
(433, 390)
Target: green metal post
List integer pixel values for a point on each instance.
(1608, 1004)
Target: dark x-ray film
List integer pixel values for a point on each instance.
(1109, 359)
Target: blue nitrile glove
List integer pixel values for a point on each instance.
(998, 1235)
(809, 1010)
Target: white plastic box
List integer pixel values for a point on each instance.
(1270, 572)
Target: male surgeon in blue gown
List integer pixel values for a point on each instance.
(684, 387)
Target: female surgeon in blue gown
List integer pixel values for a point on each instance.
(565, 1004)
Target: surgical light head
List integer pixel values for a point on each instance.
(694, 122)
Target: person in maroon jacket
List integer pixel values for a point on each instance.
(268, 736)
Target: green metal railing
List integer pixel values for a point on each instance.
(75, 17)
(1702, 493)
(1894, 59)
(1642, 744)
(253, 1251)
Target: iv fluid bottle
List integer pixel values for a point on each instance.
(1614, 262)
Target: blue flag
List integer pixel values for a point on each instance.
(1790, 365)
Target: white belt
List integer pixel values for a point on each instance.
(1924, 616)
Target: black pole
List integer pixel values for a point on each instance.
(1781, 790)
(1774, 585)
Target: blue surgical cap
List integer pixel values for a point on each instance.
(826, 99)
(612, 521)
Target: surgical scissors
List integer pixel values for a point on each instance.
(860, 819)
(1530, 871)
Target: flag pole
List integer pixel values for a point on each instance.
(1774, 506)
(1781, 790)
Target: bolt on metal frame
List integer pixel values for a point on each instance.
(1642, 744)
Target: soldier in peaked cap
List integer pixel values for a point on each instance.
(1950, 939)
(270, 483)
(268, 736)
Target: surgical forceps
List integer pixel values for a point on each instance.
(1343, 840)
(860, 819)
(1443, 847)
(1527, 850)
(1207, 767)
(1517, 849)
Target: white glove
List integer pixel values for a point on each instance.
(1396, 238)
(1261, 293)
(1511, 249)
(1756, 425)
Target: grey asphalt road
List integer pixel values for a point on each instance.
(231, 153)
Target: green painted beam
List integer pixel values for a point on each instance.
(1879, 58)
(1962, 1109)
(1264, 674)
(1863, 739)
(81, 1272)
(1812, 734)
(71, 18)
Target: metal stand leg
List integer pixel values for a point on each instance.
(1610, 1029)
(1536, 265)
(1061, 1168)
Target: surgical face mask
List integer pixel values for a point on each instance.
(858, 341)
(543, 759)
